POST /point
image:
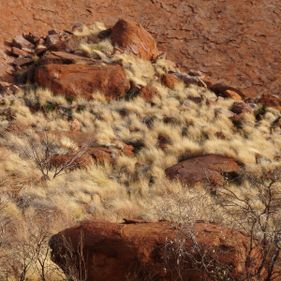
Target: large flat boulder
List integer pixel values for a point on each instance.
(132, 37)
(103, 251)
(78, 80)
(211, 168)
(61, 57)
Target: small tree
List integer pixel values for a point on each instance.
(253, 207)
(42, 152)
(256, 209)
(72, 258)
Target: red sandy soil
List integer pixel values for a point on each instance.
(234, 41)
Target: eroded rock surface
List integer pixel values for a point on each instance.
(170, 81)
(236, 42)
(271, 100)
(76, 80)
(210, 169)
(148, 93)
(116, 252)
(133, 38)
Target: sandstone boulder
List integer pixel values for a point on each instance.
(148, 93)
(82, 159)
(149, 251)
(101, 154)
(132, 37)
(192, 78)
(61, 41)
(19, 52)
(170, 80)
(231, 94)
(271, 100)
(77, 80)
(225, 91)
(62, 57)
(212, 169)
(240, 107)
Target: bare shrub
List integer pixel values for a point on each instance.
(73, 258)
(257, 211)
(194, 259)
(25, 254)
(186, 206)
(183, 209)
(253, 208)
(41, 153)
(4, 222)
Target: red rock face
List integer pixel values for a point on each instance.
(240, 108)
(132, 37)
(226, 91)
(205, 169)
(140, 250)
(270, 100)
(83, 80)
(148, 93)
(170, 81)
(236, 42)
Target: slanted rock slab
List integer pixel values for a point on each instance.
(20, 42)
(76, 80)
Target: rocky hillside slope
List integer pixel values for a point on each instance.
(235, 42)
(100, 125)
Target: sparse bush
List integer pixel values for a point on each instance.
(42, 151)
(73, 261)
(254, 210)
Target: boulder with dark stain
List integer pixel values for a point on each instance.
(212, 169)
(241, 108)
(225, 91)
(132, 37)
(62, 57)
(104, 251)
